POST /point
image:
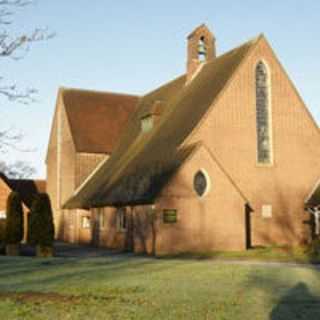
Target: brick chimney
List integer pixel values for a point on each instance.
(201, 49)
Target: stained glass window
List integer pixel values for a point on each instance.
(262, 114)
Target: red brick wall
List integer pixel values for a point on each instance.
(214, 221)
(229, 131)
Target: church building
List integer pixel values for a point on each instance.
(224, 157)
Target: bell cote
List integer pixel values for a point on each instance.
(201, 49)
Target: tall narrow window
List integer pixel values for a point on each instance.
(263, 114)
(121, 219)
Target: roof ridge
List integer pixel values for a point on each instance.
(164, 85)
(63, 89)
(252, 41)
(223, 169)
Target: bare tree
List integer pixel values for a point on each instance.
(17, 169)
(15, 46)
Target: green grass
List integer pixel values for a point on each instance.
(145, 288)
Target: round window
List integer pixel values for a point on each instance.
(200, 183)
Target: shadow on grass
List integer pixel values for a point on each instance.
(293, 295)
(263, 254)
(52, 273)
(297, 303)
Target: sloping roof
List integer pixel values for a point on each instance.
(27, 188)
(97, 118)
(137, 154)
(313, 199)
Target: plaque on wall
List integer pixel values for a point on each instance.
(169, 216)
(266, 211)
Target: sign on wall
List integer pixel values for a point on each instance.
(169, 216)
(3, 214)
(266, 211)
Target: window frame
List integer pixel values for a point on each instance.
(270, 161)
(122, 219)
(208, 183)
(101, 218)
(166, 212)
(83, 217)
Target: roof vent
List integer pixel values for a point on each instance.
(151, 116)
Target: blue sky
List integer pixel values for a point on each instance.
(134, 46)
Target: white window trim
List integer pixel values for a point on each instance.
(208, 181)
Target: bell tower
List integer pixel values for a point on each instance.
(201, 49)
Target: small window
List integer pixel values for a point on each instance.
(121, 219)
(147, 124)
(170, 216)
(85, 222)
(3, 215)
(101, 218)
(200, 183)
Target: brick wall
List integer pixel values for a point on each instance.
(229, 131)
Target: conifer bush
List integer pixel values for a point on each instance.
(14, 221)
(41, 222)
(2, 230)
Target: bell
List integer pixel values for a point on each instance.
(202, 50)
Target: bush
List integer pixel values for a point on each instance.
(41, 222)
(315, 247)
(14, 221)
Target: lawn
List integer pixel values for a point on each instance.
(122, 287)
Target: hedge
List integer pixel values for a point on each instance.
(14, 221)
(41, 222)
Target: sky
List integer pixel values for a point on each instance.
(134, 46)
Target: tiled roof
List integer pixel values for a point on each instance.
(97, 118)
(160, 151)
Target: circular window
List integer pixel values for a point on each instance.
(200, 183)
